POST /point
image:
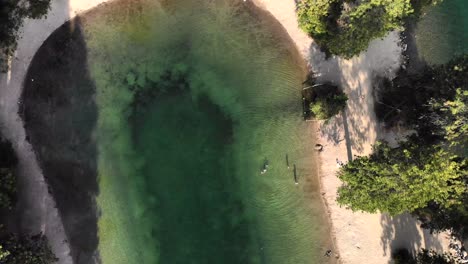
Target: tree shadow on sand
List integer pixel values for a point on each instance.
(349, 125)
(403, 231)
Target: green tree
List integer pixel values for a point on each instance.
(27, 250)
(419, 99)
(12, 14)
(433, 103)
(451, 117)
(327, 102)
(437, 218)
(313, 16)
(345, 28)
(7, 188)
(403, 179)
(8, 162)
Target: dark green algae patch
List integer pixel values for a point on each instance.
(185, 142)
(182, 102)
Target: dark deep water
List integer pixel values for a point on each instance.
(163, 115)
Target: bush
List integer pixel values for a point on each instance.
(7, 188)
(8, 163)
(325, 106)
(402, 256)
(26, 250)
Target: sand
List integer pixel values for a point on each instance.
(359, 237)
(38, 210)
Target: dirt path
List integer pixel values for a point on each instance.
(36, 204)
(360, 237)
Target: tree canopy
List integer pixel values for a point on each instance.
(433, 102)
(403, 179)
(428, 174)
(451, 119)
(12, 14)
(8, 163)
(26, 250)
(346, 27)
(415, 99)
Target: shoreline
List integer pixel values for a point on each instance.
(351, 133)
(300, 51)
(280, 31)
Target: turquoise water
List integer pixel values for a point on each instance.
(443, 32)
(194, 99)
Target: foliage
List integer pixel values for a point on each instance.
(402, 256)
(327, 102)
(36, 8)
(3, 253)
(432, 257)
(433, 102)
(345, 28)
(27, 250)
(7, 188)
(12, 14)
(13, 249)
(313, 16)
(408, 97)
(451, 117)
(437, 218)
(8, 163)
(403, 179)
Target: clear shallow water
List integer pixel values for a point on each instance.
(443, 32)
(193, 98)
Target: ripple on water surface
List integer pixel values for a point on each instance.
(194, 99)
(442, 33)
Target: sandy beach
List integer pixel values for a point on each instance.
(359, 237)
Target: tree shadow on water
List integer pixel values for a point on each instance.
(60, 115)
